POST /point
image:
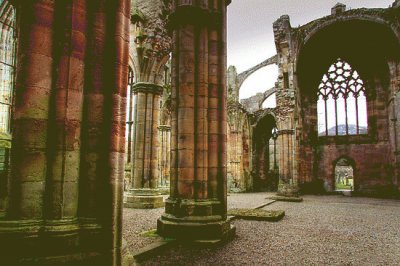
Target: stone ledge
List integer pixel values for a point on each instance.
(257, 214)
(285, 198)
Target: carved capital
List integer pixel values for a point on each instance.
(147, 88)
(286, 132)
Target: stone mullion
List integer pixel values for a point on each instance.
(31, 110)
(64, 150)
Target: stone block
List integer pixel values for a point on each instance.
(144, 199)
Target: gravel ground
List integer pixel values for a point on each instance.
(322, 230)
(136, 221)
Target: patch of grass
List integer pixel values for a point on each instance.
(343, 187)
(288, 199)
(150, 233)
(257, 214)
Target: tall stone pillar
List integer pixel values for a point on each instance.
(285, 110)
(196, 208)
(288, 184)
(150, 48)
(145, 173)
(67, 151)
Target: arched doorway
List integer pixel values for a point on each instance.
(344, 175)
(265, 172)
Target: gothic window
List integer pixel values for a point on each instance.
(342, 103)
(129, 114)
(7, 63)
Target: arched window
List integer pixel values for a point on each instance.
(342, 103)
(7, 63)
(7, 73)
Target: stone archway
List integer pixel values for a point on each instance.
(265, 176)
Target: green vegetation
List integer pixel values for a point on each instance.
(150, 233)
(288, 199)
(343, 187)
(257, 214)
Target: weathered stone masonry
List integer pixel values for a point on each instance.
(150, 47)
(197, 206)
(65, 194)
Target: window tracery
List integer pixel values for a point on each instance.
(342, 102)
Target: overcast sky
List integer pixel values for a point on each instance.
(250, 35)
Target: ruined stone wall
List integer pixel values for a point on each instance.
(238, 139)
(375, 154)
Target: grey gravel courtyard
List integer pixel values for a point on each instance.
(322, 230)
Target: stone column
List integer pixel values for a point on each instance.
(68, 134)
(144, 194)
(150, 48)
(196, 208)
(164, 156)
(286, 111)
(288, 185)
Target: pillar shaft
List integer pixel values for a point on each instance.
(196, 208)
(146, 145)
(65, 112)
(30, 119)
(288, 185)
(145, 173)
(164, 155)
(66, 180)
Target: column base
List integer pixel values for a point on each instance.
(39, 242)
(192, 230)
(194, 220)
(144, 199)
(288, 190)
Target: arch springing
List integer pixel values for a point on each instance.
(342, 102)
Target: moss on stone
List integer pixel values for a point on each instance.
(150, 233)
(284, 198)
(257, 214)
(5, 140)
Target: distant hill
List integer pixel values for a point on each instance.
(342, 130)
